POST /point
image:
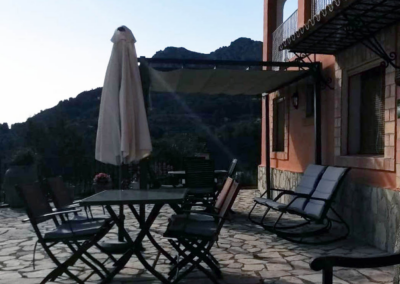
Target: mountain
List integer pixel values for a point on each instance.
(240, 49)
(180, 125)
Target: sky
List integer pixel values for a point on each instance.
(53, 50)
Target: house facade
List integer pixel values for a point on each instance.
(359, 116)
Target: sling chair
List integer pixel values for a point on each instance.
(63, 200)
(306, 187)
(316, 210)
(79, 237)
(193, 238)
(200, 180)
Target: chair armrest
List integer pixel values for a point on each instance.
(66, 208)
(56, 213)
(328, 262)
(59, 213)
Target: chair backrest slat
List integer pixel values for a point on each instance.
(326, 189)
(59, 193)
(308, 184)
(199, 173)
(228, 203)
(35, 200)
(223, 194)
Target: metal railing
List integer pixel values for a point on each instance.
(285, 30)
(318, 5)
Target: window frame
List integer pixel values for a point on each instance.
(350, 107)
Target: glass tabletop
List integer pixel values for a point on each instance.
(136, 196)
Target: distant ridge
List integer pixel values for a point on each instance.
(240, 49)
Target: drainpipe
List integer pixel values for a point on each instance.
(317, 113)
(267, 148)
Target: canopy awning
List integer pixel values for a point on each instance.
(222, 81)
(342, 24)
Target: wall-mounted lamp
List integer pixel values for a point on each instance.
(295, 100)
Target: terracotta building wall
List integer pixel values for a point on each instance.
(299, 139)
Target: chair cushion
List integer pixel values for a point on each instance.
(80, 230)
(179, 227)
(325, 190)
(192, 217)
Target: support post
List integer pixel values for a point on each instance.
(267, 148)
(317, 114)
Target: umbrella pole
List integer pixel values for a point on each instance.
(121, 209)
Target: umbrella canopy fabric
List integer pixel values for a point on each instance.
(123, 134)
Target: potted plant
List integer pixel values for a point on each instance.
(22, 170)
(102, 182)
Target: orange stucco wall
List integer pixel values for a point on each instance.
(301, 129)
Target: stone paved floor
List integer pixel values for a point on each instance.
(247, 254)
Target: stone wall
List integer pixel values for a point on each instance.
(372, 213)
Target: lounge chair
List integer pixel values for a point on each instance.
(306, 187)
(194, 238)
(79, 237)
(316, 209)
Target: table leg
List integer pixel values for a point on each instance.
(145, 231)
(176, 208)
(148, 234)
(122, 261)
(122, 217)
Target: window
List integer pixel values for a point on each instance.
(366, 113)
(279, 125)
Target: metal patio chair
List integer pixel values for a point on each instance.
(63, 200)
(307, 186)
(193, 239)
(200, 180)
(79, 237)
(316, 210)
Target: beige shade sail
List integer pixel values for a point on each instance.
(222, 81)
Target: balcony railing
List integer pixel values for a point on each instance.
(319, 5)
(285, 30)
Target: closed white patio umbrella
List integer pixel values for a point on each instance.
(123, 133)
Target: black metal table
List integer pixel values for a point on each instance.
(156, 197)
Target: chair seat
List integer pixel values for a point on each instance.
(192, 217)
(80, 230)
(270, 203)
(180, 227)
(201, 191)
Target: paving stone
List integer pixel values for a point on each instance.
(269, 255)
(278, 267)
(245, 237)
(273, 274)
(253, 267)
(376, 275)
(251, 261)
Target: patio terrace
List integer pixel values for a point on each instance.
(247, 254)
